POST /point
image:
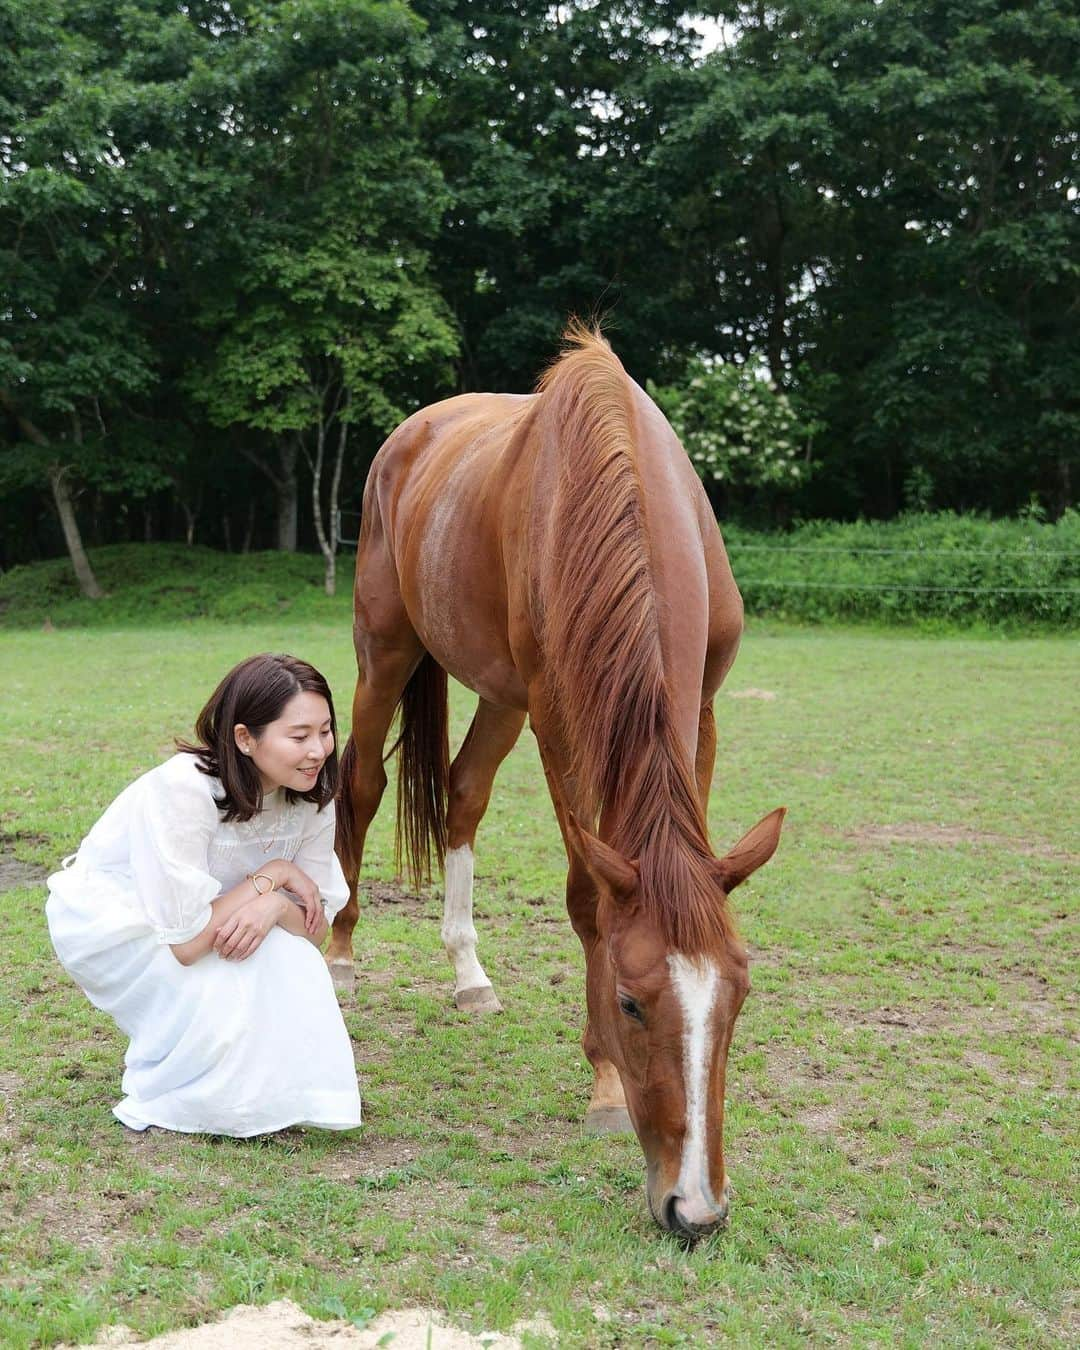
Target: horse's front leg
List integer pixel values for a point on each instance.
(606, 1113)
(363, 781)
(705, 759)
(490, 739)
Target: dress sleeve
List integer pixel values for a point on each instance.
(317, 858)
(173, 822)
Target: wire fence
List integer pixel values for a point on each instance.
(1031, 555)
(868, 580)
(901, 586)
(909, 584)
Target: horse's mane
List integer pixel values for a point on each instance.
(601, 638)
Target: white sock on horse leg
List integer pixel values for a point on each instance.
(458, 933)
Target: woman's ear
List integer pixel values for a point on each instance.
(243, 738)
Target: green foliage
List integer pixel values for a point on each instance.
(736, 426)
(226, 231)
(323, 308)
(884, 196)
(920, 568)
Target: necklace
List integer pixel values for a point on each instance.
(260, 839)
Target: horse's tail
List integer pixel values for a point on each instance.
(346, 835)
(423, 771)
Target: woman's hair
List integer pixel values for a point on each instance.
(254, 693)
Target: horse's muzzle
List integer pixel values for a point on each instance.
(693, 1219)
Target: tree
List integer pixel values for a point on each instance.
(742, 433)
(68, 346)
(318, 311)
(539, 115)
(890, 191)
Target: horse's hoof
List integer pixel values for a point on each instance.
(608, 1120)
(480, 999)
(343, 973)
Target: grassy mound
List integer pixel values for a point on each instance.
(172, 583)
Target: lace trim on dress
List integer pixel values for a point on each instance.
(268, 829)
(269, 822)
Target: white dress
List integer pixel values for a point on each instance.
(217, 1047)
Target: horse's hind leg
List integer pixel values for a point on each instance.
(387, 653)
(490, 739)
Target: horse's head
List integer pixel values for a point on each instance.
(664, 1018)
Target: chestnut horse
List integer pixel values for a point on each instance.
(556, 553)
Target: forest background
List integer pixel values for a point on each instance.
(240, 241)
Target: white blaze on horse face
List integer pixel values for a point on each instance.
(458, 933)
(695, 982)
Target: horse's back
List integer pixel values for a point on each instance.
(433, 511)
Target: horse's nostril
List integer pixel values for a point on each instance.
(672, 1222)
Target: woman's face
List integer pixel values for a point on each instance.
(291, 751)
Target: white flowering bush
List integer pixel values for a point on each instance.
(738, 428)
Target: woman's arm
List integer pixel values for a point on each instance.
(295, 921)
(224, 908)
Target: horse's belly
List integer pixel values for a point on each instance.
(496, 680)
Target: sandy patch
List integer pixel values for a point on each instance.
(949, 836)
(765, 695)
(284, 1325)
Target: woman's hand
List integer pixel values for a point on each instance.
(288, 877)
(240, 935)
(319, 932)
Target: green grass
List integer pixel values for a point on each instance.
(901, 1093)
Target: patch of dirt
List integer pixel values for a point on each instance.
(764, 695)
(365, 1159)
(284, 1325)
(14, 873)
(949, 836)
(9, 1085)
(398, 896)
(88, 1221)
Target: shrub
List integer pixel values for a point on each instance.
(920, 567)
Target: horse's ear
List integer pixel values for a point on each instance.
(609, 869)
(755, 847)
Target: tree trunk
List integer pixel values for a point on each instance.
(335, 513)
(65, 508)
(249, 528)
(287, 491)
(84, 573)
(328, 538)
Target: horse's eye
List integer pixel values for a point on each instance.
(630, 1008)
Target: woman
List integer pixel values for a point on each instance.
(194, 910)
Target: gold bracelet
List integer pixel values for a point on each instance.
(256, 877)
